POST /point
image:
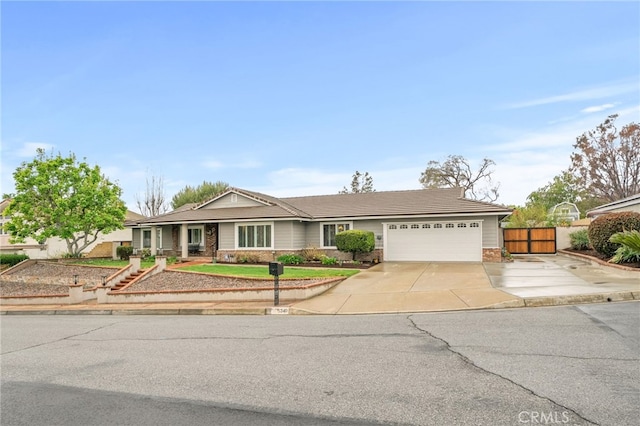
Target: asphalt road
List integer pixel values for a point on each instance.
(561, 365)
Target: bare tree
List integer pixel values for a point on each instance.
(607, 162)
(456, 172)
(359, 183)
(154, 202)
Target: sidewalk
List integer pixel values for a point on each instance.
(409, 287)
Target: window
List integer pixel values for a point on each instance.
(146, 238)
(403, 226)
(254, 236)
(474, 225)
(415, 226)
(393, 227)
(462, 225)
(437, 225)
(329, 231)
(194, 236)
(3, 222)
(426, 226)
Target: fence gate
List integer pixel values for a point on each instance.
(530, 240)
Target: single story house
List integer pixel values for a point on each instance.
(628, 204)
(565, 212)
(104, 246)
(412, 225)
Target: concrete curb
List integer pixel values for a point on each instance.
(530, 302)
(580, 299)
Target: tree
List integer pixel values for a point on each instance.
(355, 241)
(456, 172)
(564, 187)
(607, 162)
(359, 183)
(154, 202)
(198, 194)
(531, 216)
(59, 197)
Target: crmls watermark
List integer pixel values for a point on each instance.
(543, 417)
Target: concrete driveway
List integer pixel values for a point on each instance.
(558, 275)
(394, 287)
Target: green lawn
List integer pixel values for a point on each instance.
(252, 271)
(262, 271)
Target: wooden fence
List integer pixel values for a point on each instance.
(530, 240)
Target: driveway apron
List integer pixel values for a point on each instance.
(395, 287)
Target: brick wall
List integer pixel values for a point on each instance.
(492, 255)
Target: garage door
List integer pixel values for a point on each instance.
(434, 241)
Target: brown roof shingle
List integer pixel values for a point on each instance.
(420, 202)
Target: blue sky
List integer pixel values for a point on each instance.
(291, 98)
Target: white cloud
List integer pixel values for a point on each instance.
(28, 149)
(597, 108)
(613, 89)
(297, 182)
(217, 164)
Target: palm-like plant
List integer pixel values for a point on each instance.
(629, 250)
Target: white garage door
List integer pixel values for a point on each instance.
(444, 241)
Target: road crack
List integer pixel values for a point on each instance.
(470, 362)
(59, 340)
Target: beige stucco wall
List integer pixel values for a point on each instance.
(562, 235)
(55, 248)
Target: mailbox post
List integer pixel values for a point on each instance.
(276, 269)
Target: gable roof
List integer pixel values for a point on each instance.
(409, 203)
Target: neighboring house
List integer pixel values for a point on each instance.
(565, 212)
(413, 225)
(629, 204)
(104, 246)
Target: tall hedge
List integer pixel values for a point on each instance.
(603, 227)
(12, 259)
(355, 241)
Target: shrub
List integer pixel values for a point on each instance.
(355, 241)
(326, 260)
(312, 254)
(580, 240)
(629, 251)
(291, 259)
(505, 253)
(72, 255)
(12, 259)
(602, 228)
(124, 252)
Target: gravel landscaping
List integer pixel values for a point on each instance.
(175, 280)
(11, 288)
(165, 281)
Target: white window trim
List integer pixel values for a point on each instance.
(235, 235)
(158, 230)
(201, 228)
(339, 222)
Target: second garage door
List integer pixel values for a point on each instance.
(459, 241)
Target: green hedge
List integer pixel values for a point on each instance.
(355, 241)
(124, 252)
(12, 259)
(580, 240)
(603, 227)
(291, 259)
